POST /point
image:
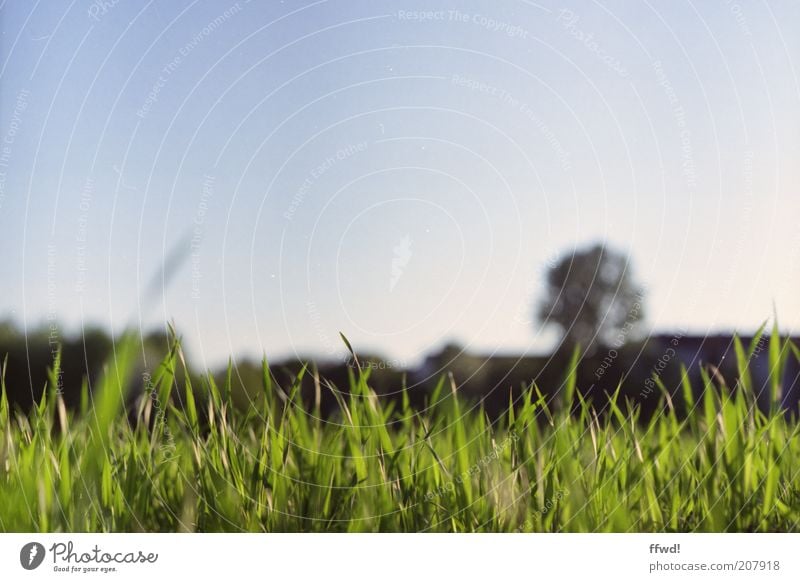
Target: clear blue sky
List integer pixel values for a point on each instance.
(399, 171)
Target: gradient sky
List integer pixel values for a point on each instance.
(399, 171)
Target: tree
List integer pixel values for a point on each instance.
(592, 298)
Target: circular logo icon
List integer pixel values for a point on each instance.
(31, 555)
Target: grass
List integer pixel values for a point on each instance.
(190, 461)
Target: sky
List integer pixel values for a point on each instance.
(267, 175)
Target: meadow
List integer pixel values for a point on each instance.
(184, 458)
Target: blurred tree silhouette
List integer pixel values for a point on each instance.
(592, 298)
(26, 354)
